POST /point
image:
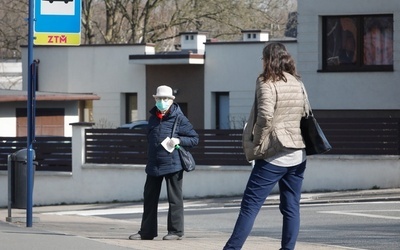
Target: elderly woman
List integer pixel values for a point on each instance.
(164, 163)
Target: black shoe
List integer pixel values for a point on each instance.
(172, 237)
(139, 237)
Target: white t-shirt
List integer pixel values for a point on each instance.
(288, 157)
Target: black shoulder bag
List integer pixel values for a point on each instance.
(187, 160)
(314, 137)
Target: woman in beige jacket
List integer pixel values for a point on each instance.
(274, 141)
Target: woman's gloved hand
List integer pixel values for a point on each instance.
(173, 142)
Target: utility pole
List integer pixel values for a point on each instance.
(30, 117)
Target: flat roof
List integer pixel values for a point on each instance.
(168, 58)
(20, 96)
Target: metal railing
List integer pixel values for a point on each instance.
(348, 136)
(53, 153)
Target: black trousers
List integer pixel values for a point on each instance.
(151, 194)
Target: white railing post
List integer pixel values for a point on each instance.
(78, 144)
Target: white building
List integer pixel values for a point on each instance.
(216, 90)
(365, 88)
(11, 74)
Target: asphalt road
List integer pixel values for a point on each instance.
(365, 225)
(358, 225)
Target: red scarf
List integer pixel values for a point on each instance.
(159, 114)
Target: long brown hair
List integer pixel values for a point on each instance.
(276, 61)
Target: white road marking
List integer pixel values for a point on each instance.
(131, 210)
(97, 212)
(192, 207)
(365, 213)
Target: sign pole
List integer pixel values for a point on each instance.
(31, 118)
(54, 23)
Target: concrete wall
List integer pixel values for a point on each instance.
(89, 183)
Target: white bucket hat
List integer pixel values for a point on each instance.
(164, 91)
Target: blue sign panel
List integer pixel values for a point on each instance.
(57, 22)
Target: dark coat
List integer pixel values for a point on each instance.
(160, 162)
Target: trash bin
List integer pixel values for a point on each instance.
(19, 177)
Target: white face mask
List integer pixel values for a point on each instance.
(163, 104)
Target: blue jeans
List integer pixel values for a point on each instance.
(261, 182)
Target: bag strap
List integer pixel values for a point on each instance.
(307, 105)
(174, 127)
(254, 110)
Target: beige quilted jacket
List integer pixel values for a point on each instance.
(279, 107)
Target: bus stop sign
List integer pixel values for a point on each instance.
(57, 22)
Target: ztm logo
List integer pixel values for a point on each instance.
(57, 39)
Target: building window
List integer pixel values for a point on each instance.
(222, 110)
(86, 111)
(131, 110)
(358, 43)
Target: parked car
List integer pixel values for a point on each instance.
(139, 124)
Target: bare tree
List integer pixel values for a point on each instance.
(153, 21)
(88, 34)
(13, 28)
(139, 16)
(161, 21)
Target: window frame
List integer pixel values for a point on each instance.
(359, 65)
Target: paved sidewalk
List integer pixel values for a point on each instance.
(62, 227)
